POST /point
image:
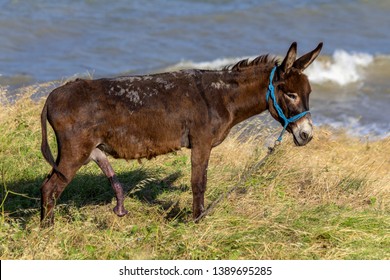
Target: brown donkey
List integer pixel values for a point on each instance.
(145, 116)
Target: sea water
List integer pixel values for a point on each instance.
(46, 40)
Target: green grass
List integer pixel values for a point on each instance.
(328, 200)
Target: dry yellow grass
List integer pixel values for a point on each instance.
(339, 169)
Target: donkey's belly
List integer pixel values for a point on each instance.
(145, 143)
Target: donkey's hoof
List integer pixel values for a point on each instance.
(120, 211)
(47, 221)
(46, 224)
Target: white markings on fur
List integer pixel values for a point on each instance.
(220, 85)
(147, 78)
(189, 72)
(128, 85)
(152, 92)
(174, 74)
(133, 96)
(167, 85)
(126, 79)
(117, 90)
(131, 79)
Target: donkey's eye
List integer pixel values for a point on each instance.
(293, 96)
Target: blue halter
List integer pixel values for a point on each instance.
(271, 92)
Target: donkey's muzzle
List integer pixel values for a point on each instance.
(303, 131)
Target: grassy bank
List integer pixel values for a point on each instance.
(328, 200)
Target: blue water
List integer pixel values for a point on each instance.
(44, 40)
(48, 40)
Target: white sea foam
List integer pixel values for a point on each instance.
(343, 68)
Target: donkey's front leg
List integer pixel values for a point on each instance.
(199, 162)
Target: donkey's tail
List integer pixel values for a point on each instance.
(45, 148)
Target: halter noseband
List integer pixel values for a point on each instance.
(271, 92)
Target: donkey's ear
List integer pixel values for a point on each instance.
(305, 60)
(290, 58)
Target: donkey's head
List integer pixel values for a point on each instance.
(291, 91)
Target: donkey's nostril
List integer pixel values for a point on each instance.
(304, 135)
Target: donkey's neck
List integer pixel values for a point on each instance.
(247, 98)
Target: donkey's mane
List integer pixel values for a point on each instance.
(245, 63)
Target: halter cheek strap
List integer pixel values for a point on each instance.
(271, 93)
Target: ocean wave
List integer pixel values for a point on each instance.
(341, 68)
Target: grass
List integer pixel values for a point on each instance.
(328, 200)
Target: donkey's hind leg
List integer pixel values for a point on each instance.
(49, 197)
(55, 184)
(101, 160)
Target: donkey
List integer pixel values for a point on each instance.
(136, 117)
